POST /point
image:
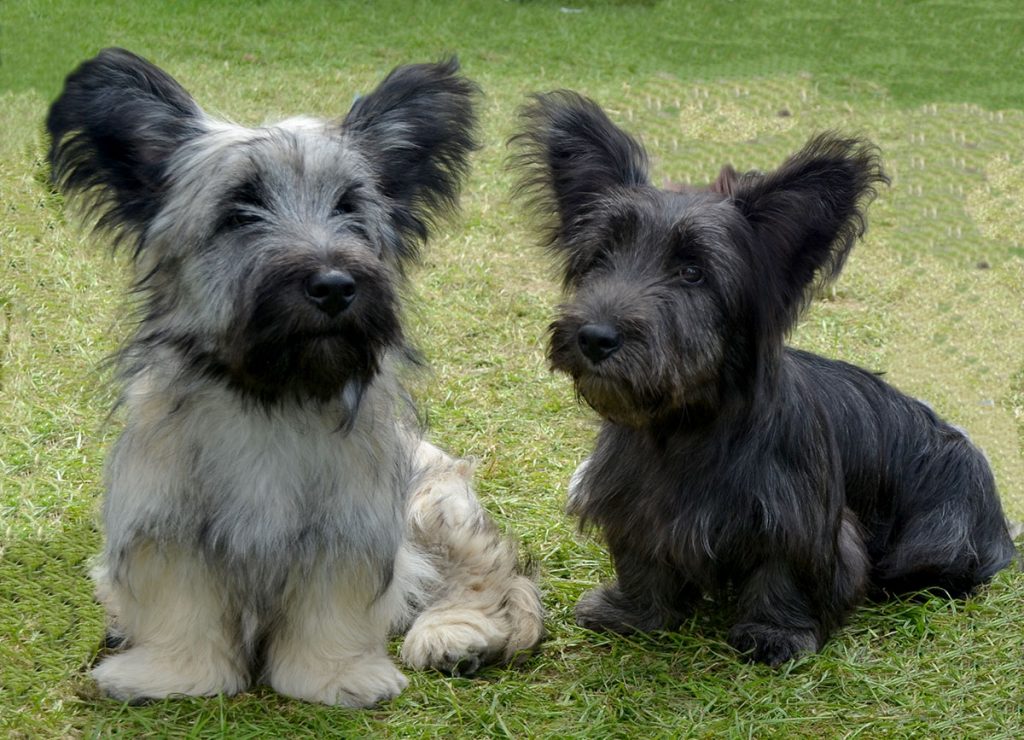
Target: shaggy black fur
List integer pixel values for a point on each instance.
(727, 461)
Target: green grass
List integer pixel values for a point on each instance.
(934, 297)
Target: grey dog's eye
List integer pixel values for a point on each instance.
(245, 207)
(238, 218)
(691, 275)
(347, 204)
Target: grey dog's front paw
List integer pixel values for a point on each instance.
(358, 682)
(142, 673)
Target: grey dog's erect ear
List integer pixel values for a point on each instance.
(417, 129)
(570, 154)
(112, 129)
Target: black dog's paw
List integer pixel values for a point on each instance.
(765, 643)
(607, 608)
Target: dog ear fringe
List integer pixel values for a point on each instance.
(418, 128)
(808, 213)
(569, 155)
(112, 129)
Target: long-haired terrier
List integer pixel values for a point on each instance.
(271, 512)
(728, 462)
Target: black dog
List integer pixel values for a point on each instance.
(727, 460)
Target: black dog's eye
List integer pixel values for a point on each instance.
(691, 275)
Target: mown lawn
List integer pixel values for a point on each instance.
(934, 297)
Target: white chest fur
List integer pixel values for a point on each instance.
(244, 482)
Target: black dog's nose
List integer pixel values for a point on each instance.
(332, 291)
(599, 341)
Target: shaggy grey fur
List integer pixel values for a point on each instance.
(257, 500)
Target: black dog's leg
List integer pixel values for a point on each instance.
(647, 596)
(776, 617)
(785, 611)
(951, 535)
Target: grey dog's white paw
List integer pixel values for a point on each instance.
(358, 682)
(455, 641)
(144, 673)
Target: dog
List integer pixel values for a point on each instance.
(271, 509)
(727, 463)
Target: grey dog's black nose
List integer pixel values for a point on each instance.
(599, 341)
(332, 291)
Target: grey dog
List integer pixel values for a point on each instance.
(271, 511)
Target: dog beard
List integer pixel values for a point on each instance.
(618, 402)
(316, 367)
(629, 388)
(285, 350)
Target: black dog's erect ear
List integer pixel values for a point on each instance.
(571, 155)
(112, 130)
(807, 214)
(417, 129)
